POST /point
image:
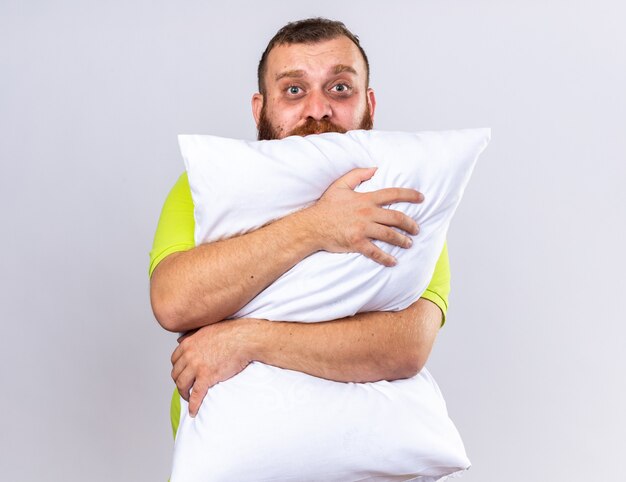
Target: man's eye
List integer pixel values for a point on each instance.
(341, 88)
(293, 89)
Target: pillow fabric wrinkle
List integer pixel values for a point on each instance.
(269, 423)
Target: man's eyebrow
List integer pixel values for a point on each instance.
(298, 73)
(341, 68)
(289, 73)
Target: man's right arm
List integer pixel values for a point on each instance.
(210, 282)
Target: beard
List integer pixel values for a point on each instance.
(266, 131)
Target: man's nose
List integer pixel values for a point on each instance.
(317, 106)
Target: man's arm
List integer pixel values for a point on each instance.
(362, 348)
(209, 283)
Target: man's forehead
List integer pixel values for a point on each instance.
(335, 56)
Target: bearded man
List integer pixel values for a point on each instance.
(313, 78)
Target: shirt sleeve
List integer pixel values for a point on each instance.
(175, 231)
(439, 288)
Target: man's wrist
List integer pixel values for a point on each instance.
(252, 332)
(304, 224)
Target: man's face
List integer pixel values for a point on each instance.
(314, 88)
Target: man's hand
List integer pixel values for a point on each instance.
(345, 221)
(208, 356)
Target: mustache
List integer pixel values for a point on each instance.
(313, 126)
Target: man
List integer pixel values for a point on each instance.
(313, 78)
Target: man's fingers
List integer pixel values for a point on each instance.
(392, 195)
(185, 381)
(200, 389)
(397, 219)
(177, 353)
(178, 368)
(388, 235)
(356, 176)
(373, 252)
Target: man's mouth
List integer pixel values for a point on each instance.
(312, 126)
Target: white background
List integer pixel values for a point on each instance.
(92, 96)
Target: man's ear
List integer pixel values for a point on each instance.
(257, 106)
(371, 101)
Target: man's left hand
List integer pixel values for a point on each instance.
(210, 355)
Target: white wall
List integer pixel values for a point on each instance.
(92, 95)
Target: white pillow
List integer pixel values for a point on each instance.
(240, 185)
(271, 424)
(267, 423)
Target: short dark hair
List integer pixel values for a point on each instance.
(308, 31)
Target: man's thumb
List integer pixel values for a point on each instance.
(356, 176)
